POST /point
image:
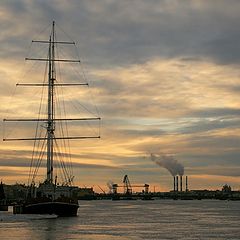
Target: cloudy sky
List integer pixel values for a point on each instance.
(164, 75)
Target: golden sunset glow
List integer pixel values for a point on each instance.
(164, 78)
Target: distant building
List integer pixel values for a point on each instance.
(226, 188)
(16, 192)
(85, 193)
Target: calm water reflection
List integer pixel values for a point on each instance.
(121, 220)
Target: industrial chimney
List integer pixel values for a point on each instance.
(181, 183)
(177, 183)
(186, 183)
(174, 184)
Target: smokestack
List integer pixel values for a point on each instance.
(174, 184)
(181, 183)
(177, 183)
(186, 183)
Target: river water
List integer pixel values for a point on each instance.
(133, 220)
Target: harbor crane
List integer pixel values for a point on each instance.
(127, 186)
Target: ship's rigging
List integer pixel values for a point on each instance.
(51, 134)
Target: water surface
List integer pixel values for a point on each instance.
(133, 220)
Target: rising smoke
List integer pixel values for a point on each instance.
(170, 163)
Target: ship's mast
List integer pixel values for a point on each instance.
(50, 122)
(51, 119)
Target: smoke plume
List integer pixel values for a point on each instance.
(170, 163)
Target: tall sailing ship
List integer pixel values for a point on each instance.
(50, 196)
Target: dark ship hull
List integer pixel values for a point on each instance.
(61, 209)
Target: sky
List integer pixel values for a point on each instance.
(164, 75)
